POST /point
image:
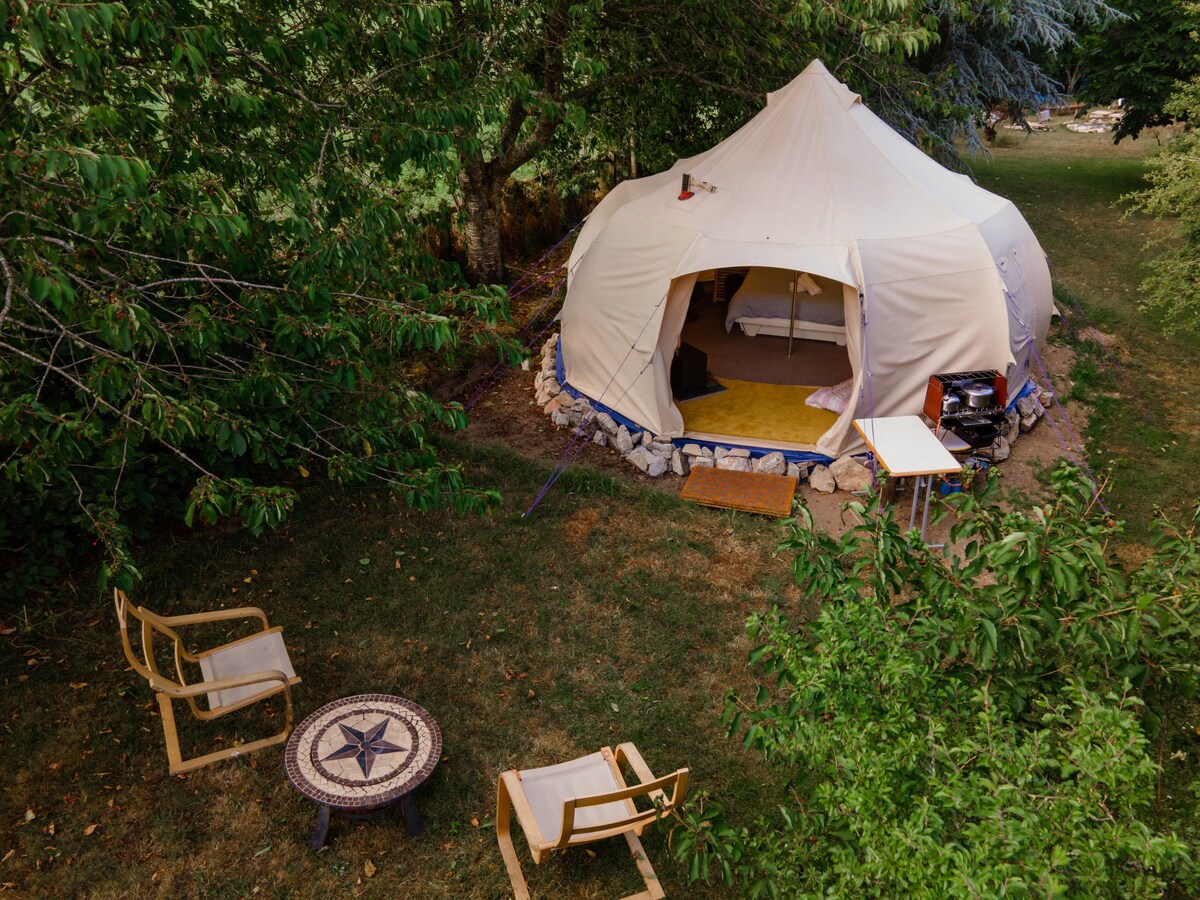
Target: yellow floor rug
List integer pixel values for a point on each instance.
(773, 412)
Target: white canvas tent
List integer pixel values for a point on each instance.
(938, 274)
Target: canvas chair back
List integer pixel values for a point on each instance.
(660, 807)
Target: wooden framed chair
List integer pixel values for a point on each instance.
(232, 676)
(581, 801)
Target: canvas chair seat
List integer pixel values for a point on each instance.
(254, 654)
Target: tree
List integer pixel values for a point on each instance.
(966, 726)
(991, 55)
(533, 67)
(214, 281)
(1140, 60)
(1173, 287)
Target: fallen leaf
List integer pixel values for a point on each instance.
(532, 693)
(6, 629)
(247, 580)
(397, 564)
(7, 856)
(369, 868)
(29, 815)
(90, 830)
(475, 821)
(76, 685)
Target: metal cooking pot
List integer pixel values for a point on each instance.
(979, 395)
(950, 404)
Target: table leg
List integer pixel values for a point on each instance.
(925, 511)
(912, 518)
(318, 838)
(412, 821)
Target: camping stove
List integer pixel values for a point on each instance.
(970, 404)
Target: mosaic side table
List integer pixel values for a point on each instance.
(361, 755)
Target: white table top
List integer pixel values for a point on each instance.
(905, 446)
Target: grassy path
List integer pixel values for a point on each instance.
(1145, 388)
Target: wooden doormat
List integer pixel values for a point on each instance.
(754, 492)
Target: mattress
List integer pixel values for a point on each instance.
(767, 294)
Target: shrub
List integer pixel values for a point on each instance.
(964, 726)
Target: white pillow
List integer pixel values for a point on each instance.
(834, 399)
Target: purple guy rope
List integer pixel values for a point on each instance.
(1076, 444)
(1108, 360)
(563, 462)
(489, 381)
(545, 256)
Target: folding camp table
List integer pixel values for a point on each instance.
(906, 448)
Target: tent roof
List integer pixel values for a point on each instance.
(815, 170)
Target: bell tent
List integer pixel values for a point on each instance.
(817, 196)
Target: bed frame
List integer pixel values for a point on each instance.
(809, 331)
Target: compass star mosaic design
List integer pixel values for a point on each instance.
(364, 747)
(362, 752)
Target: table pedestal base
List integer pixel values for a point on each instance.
(408, 809)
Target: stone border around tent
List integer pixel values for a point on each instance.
(656, 455)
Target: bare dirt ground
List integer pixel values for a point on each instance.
(508, 415)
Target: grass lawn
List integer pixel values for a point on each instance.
(1145, 390)
(614, 613)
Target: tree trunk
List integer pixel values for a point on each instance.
(483, 198)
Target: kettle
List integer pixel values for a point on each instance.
(950, 404)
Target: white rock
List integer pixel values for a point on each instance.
(537, 381)
(701, 462)
(607, 422)
(739, 451)
(692, 450)
(1030, 405)
(551, 384)
(647, 439)
(624, 442)
(793, 470)
(851, 475)
(566, 401)
(663, 448)
(1011, 425)
(821, 479)
(1000, 450)
(1027, 423)
(719, 453)
(707, 451)
(658, 466)
(552, 342)
(734, 463)
(771, 464)
(525, 365)
(678, 464)
(600, 439)
(560, 418)
(640, 457)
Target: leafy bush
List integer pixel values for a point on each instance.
(964, 726)
(214, 278)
